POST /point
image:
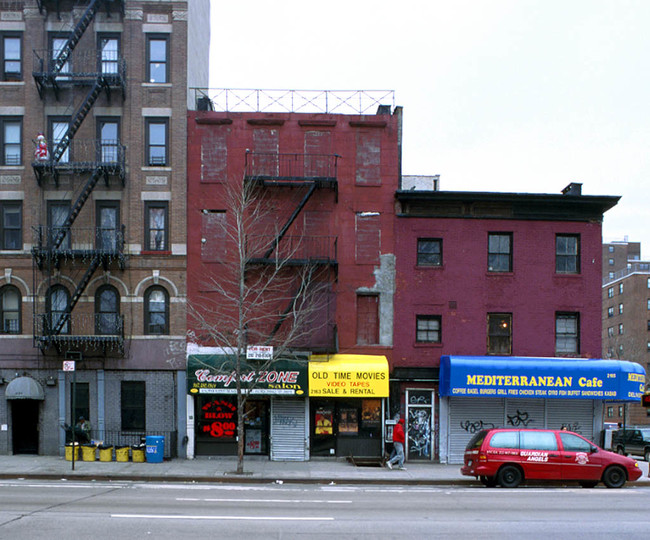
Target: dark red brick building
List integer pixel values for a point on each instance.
(330, 180)
(492, 274)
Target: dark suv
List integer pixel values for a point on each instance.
(632, 441)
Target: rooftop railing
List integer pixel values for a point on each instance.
(633, 268)
(294, 101)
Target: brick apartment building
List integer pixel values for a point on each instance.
(626, 318)
(496, 278)
(330, 181)
(93, 211)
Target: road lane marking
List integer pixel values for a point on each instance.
(235, 518)
(290, 501)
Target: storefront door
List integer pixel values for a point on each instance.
(420, 424)
(24, 419)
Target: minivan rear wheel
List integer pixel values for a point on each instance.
(646, 454)
(510, 476)
(614, 477)
(620, 450)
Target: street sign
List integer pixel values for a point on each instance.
(68, 365)
(259, 352)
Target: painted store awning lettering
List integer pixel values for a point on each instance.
(560, 378)
(348, 375)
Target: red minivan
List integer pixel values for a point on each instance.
(507, 457)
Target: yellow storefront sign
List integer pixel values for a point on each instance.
(348, 375)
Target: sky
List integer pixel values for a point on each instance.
(502, 95)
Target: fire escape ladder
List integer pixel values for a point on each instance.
(292, 218)
(81, 287)
(75, 36)
(78, 205)
(79, 117)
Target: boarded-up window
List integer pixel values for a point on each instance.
(317, 240)
(214, 156)
(367, 319)
(368, 237)
(213, 236)
(265, 152)
(368, 158)
(318, 146)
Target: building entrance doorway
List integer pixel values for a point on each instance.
(24, 421)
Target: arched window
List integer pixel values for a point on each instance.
(58, 300)
(107, 310)
(10, 305)
(156, 311)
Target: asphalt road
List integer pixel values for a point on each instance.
(103, 510)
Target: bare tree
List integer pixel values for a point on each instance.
(266, 292)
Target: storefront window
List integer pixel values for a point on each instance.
(346, 427)
(217, 419)
(371, 413)
(348, 422)
(323, 421)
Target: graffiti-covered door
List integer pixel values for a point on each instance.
(420, 424)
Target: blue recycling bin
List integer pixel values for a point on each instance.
(155, 448)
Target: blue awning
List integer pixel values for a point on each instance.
(526, 377)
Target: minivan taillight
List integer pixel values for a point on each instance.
(482, 456)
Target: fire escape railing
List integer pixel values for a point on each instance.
(292, 167)
(301, 249)
(102, 71)
(57, 243)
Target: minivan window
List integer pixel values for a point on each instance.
(505, 439)
(572, 443)
(476, 441)
(538, 440)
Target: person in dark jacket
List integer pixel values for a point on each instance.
(398, 443)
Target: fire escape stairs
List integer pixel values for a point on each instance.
(283, 317)
(81, 287)
(75, 35)
(292, 218)
(101, 83)
(76, 208)
(79, 116)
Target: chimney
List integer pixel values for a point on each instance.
(573, 189)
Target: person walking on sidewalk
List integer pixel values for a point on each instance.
(398, 443)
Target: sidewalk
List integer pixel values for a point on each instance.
(256, 470)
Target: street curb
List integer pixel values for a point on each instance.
(232, 479)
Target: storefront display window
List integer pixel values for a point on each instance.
(345, 427)
(371, 412)
(323, 421)
(348, 422)
(217, 419)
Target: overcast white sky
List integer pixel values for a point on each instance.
(499, 95)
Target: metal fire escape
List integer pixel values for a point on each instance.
(60, 246)
(308, 173)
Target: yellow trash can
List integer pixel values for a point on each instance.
(122, 453)
(137, 453)
(88, 452)
(68, 452)
(105, 453)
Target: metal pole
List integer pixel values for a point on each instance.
(73, 355)
(74, 408)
